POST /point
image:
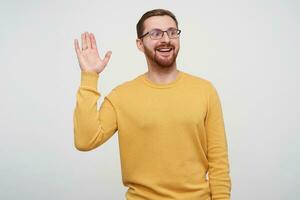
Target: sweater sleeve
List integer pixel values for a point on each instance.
(92, 127)
(217, 153)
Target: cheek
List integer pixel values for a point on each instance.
(151, 44)
(176, 43)
(150, 47)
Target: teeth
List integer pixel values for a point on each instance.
(164, 49)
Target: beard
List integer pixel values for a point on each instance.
(159, 58)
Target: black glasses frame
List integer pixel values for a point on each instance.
(178, 33)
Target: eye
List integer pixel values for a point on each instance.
(172, 32)
(155, 33)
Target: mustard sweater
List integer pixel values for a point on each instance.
(171, 136)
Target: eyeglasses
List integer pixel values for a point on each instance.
(156, 34)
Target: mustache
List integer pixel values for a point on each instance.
(165, 46)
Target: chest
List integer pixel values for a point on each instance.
(164, 109)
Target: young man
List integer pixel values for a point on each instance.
(170, 124)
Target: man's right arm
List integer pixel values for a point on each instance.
(92, 127)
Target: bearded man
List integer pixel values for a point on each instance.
(170, 124)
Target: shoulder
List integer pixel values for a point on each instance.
(199, 81)
(128, 85)
(205, 87)
(126, 88)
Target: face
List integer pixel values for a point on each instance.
(161, 52)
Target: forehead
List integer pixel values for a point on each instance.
(161, 22)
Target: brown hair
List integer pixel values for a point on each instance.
(151, 13)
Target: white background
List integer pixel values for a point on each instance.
(248, 49)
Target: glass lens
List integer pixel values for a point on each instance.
(173, 33)
(156, 34)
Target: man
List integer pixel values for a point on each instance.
(170, 125)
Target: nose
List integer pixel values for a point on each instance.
(165, 37)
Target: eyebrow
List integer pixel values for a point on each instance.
(161, 29)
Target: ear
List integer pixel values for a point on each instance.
(140, 45)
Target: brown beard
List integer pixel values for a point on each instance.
(161, 62)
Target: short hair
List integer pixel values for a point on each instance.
(156, 12)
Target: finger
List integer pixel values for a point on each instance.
(83, 41)
(88, 40)
(77, 49)
(107, 57)
(93, 41)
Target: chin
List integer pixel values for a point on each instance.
(165, 62)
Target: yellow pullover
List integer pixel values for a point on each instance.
(171, 136)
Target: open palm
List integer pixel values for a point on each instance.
(88, 56)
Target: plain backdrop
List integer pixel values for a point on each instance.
(248, 49)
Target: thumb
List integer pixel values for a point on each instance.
(107, 57)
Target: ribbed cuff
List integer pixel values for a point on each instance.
(89, 79)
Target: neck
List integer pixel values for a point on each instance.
(161, 74)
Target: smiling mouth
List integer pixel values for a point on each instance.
(164, 49)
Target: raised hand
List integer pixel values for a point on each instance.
(88, 57)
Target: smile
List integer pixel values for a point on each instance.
(164, 49)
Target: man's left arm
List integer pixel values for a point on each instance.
(217, 151)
